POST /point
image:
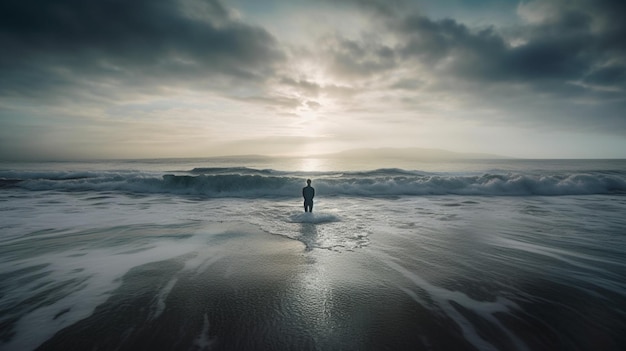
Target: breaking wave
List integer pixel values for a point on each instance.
(249, 183)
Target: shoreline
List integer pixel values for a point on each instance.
(437, 272)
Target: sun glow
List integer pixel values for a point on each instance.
(311, 164)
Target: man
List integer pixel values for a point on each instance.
(308, 192)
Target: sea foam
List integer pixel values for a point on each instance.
(315, 218)
(250, 183)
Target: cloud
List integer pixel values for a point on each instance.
(485, 56)
(358, 59)
(564, 72)
(383, 8)
(56, 44)
(559, 40)
(560, 66)
(611, 75)
(301, 86)
(350, 68)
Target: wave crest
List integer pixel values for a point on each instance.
(247, 183)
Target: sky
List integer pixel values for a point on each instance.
(197, 78)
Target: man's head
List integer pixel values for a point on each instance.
(308, 181)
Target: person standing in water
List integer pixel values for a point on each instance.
(308, 192)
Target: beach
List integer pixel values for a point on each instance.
(205, 256)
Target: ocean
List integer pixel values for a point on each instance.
(218, 254)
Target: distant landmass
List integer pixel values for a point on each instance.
(410, 154)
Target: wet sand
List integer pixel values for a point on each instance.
(232, 286)
(260, 292)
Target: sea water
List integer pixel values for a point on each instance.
(218, 254)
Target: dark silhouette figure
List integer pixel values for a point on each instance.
(308, 192)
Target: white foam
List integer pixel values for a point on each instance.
(204, 341)
(282, 184)
(100, 271)
(443, 299)
(159, 306)
(314, 217)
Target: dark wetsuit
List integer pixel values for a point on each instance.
(308, 192)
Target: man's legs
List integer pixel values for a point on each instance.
(308, 207)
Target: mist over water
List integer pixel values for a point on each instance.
(194, 255)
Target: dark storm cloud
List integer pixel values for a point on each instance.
(54, 43)
(564, 66)
(578, 41)
(609, 76)
(484, 55)
(378, 7)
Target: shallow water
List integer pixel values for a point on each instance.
(121, 269)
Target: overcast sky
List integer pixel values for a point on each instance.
(192, 78)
